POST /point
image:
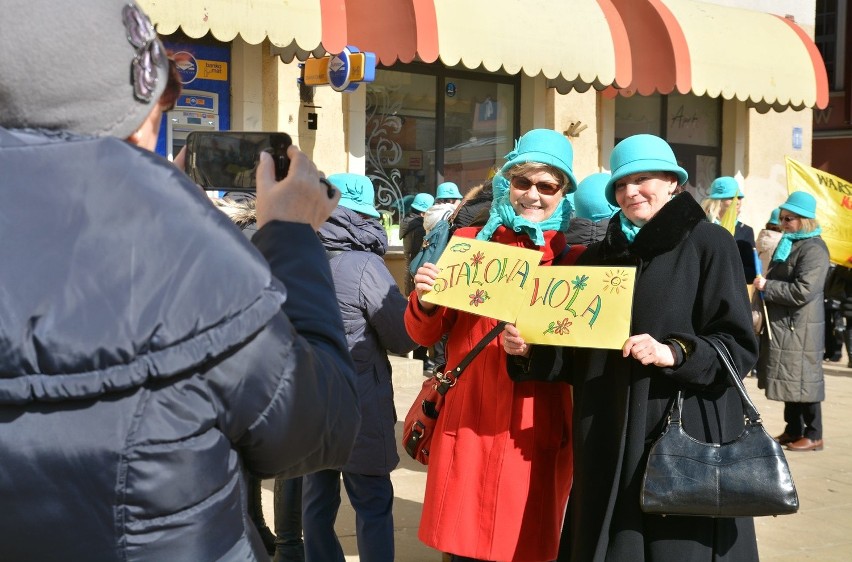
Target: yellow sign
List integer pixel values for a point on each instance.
(315, 71)
(212, 69)
(834, 206)
(484, 278)
(578, 306)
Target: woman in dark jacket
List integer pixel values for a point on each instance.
(790, 366)
(372, 307)
(688, 287)
(591, 211)
(151, 356)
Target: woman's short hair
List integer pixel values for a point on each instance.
(534, 167)
(808, 225)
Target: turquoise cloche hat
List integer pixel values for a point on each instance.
(422, 201)
(641, 153)
(448, 190)
(589, 200)
(724, 187)
(801, 203)
(775, 216)
(356, 193)
(547, 147)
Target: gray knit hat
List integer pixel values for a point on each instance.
(92, 67)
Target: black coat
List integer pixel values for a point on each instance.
(744, 237)
(689, 285)
(372, 309)
(150, 357)
(412, 232)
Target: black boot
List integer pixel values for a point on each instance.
(289, 545)
(847, 335)
(255, 509)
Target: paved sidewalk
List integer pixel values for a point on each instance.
(820, 532)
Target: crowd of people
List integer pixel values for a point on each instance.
(159, 364)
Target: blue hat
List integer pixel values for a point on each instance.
(589, 201)
(448, 190)
(422, 201)
(801, 203)
(641, 153)
(356, 193)
(546, 147)
(775, 217)
(724, 187)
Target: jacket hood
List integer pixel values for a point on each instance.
(125, 272)
(409, 223)
(345, 230)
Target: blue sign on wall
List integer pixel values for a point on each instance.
(202, 67)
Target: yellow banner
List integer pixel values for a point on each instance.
(578, 306)
(483, 278)
(834, 206)
(582, 306)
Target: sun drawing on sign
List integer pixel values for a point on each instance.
(615, 281)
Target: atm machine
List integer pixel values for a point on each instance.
(194, 111)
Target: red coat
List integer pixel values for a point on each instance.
(500, 465)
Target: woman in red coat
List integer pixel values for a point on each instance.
(500, 465)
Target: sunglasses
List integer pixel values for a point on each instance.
(544, 188)
(790, 218)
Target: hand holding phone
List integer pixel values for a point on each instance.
(228, 160)
(299, 197)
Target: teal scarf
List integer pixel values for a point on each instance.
(782, 252)
(629, 229)
(503, 214)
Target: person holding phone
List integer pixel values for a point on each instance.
(152, 355)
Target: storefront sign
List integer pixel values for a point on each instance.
(343, 71)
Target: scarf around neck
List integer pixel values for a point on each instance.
(785, 245)
(503, 214)
(629, 229)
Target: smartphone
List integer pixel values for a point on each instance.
(227, 160)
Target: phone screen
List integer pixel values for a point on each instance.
(227, 160)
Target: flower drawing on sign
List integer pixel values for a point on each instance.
(477, 258)
(560, 327)
(580, 281)
(479, 297)
(615, 281)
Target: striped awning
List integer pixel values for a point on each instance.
(529, 36)
(627, 46)
(707, 49)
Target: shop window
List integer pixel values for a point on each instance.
(433, 125)
(691, 125)
(830, 17)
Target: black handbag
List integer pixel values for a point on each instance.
(746, 477)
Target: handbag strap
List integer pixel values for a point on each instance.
(448, 379)
(749, 409)
(727, 361)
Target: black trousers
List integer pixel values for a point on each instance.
(803, 418)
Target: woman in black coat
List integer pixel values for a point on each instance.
(688, 287)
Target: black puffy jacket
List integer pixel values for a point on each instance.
(149, 358)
